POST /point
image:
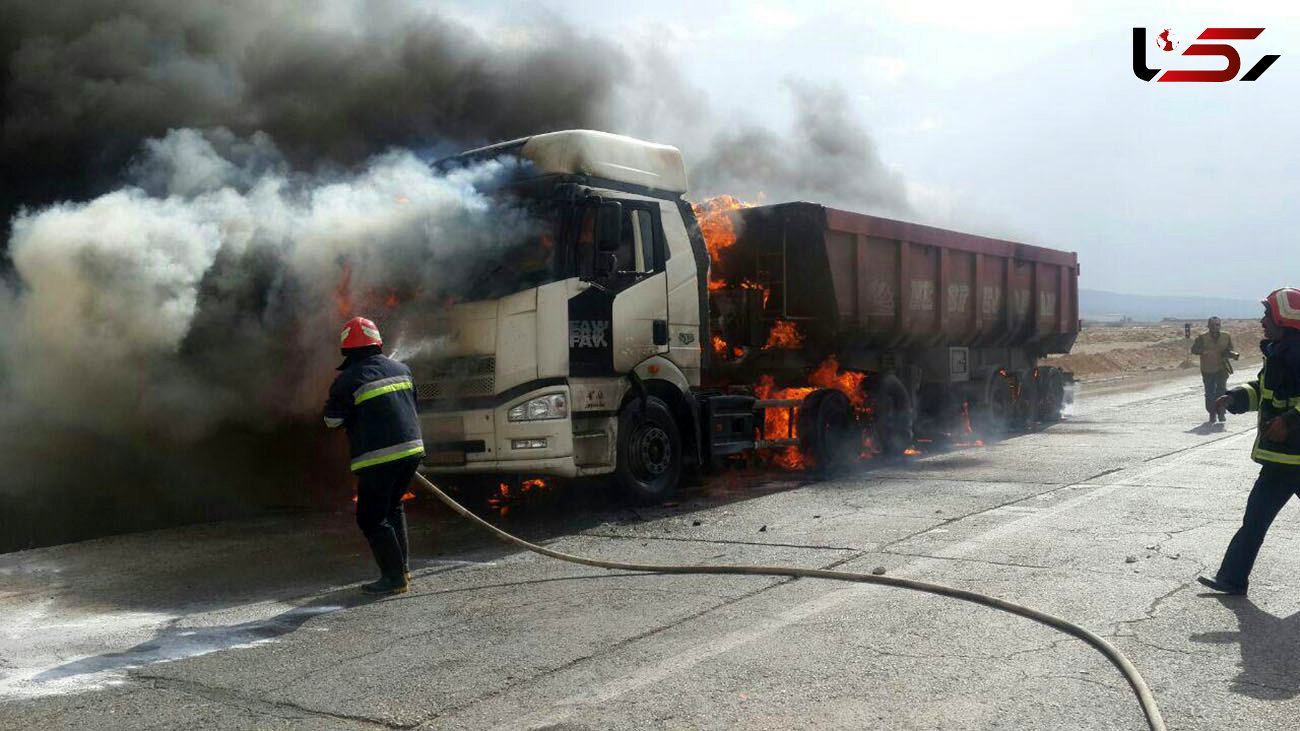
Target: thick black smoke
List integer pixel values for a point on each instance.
(86, 81)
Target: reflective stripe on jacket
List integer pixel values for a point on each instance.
(374, 399)
(1274, 394)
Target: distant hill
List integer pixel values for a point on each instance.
(1097, 305)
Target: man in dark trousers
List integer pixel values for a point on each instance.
(1276, 396)
(1215, 348)
(374, 399)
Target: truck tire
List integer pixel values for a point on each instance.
(1051, 394)
(828, 431)
(894, 416)
(993, 415)
(648, 464)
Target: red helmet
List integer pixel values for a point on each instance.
(359, 333)
(1284, 307)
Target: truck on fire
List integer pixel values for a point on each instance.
(641, 337)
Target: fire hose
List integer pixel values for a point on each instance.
(1139, 686)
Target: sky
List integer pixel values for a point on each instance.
(1021, 120)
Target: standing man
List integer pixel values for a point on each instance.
(1215, 348)
(374, 399)
(1276, 396)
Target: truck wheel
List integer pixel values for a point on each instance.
(992, 417)
(892, 428)
(1051, 394)
(649, 459)
(828, 432)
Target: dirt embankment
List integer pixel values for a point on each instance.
(1113, 351)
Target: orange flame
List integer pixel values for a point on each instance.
(785, 335)
(506, 494)
(719, 232)
(746, 284)
(778, 424)
(782, 422)
(849, 383)
(715, 224)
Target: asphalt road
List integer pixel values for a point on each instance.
(1105, 519)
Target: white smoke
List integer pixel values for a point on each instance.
(208, 292)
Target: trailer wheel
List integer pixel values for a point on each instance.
(828, 432)
(892, 428)
(649, 459)
(1051, 394)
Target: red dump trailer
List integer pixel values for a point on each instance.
(947, 327)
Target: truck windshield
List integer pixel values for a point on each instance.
(528, 260)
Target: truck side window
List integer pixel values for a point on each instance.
(636, 250)
(585, 245)
(645, 241)
(636, 253)
(627, 252)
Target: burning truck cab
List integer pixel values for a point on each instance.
(629, 333)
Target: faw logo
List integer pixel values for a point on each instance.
(589, 334)
(1167, 41)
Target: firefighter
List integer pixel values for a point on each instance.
(373, 398)
(1276, 396)
(1215, 349)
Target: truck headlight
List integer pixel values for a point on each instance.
(551, 406)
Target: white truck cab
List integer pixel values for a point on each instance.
(583, 360)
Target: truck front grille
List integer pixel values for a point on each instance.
(460, 378)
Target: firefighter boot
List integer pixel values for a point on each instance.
(388, 554)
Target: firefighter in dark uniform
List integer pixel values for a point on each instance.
(373, 398)
(1276, 396)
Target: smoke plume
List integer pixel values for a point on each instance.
(189, 191)
(85, 82)
(827, 157)
(162, 318)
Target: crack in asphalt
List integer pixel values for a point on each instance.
(721, 541)
(261, 706)
(1082, 679)
(1010, 564)
(1154, 607)
(955, 656)
(1151, 645)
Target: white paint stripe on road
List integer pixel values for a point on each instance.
(701, 652)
